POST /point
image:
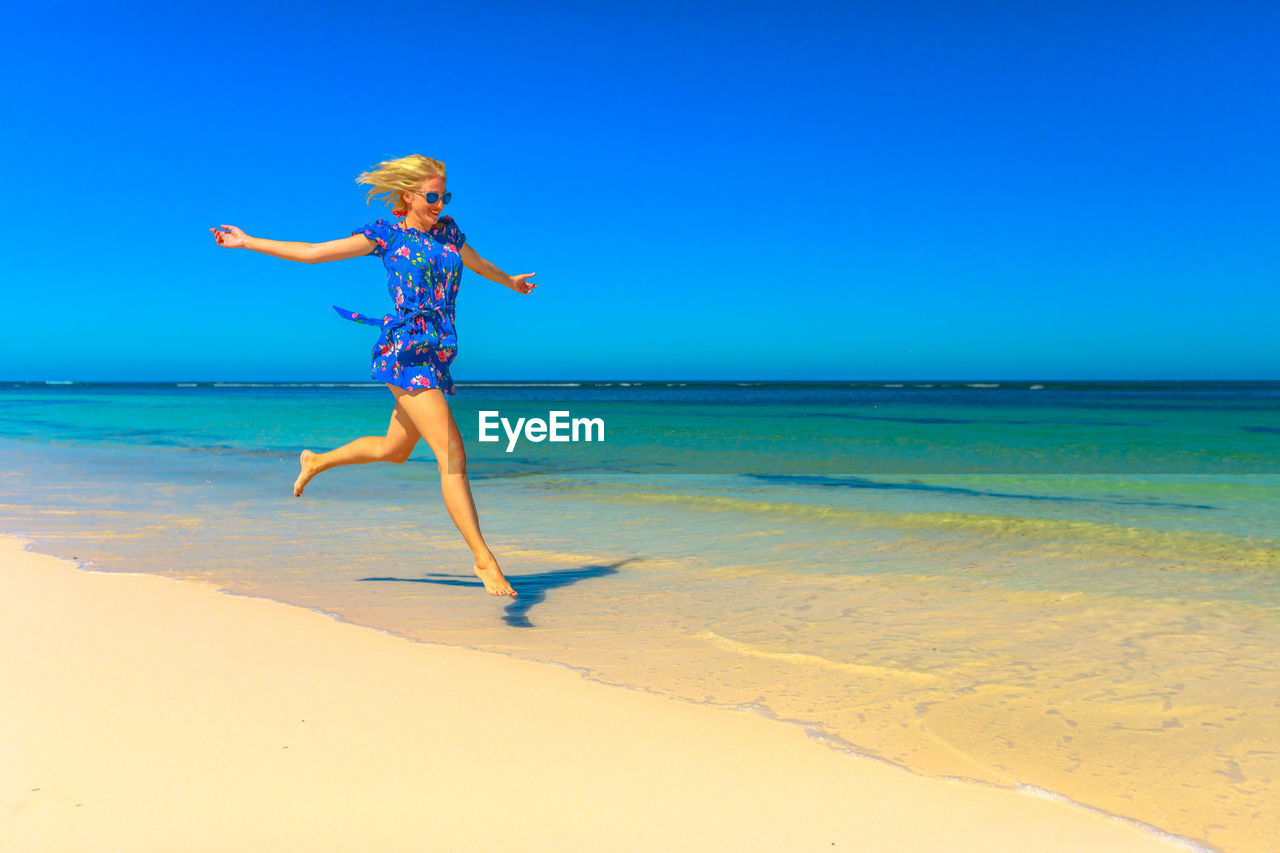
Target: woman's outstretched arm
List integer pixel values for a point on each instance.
(231, 237)
(480, 266)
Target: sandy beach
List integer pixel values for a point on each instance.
(143, 713)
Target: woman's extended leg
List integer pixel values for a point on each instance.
(395, 446)
(430, 414)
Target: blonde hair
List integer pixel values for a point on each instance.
(391, 177)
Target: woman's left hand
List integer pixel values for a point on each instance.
(519, 283)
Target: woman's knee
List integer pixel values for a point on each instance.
(455, 461)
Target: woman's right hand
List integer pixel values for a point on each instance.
(229, 238)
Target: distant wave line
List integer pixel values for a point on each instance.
(1177, 549)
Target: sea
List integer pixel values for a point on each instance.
(1069, 588)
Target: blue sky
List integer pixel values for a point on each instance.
(750, 190)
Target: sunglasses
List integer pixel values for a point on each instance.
(432, 198)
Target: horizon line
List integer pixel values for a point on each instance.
(577, 380)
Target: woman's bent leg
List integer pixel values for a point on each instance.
(395, 446)
(431, 417)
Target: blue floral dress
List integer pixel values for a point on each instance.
(418, 340)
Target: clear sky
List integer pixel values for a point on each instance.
(705, 190)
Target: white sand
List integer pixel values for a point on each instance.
(140, 713)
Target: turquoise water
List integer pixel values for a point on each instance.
(940, 574)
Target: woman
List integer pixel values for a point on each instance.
(423, 256)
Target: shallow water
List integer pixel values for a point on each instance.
(1072, 587)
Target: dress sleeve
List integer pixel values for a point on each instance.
(379, 232)
(455, 235)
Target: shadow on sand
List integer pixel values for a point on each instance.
(530, 589)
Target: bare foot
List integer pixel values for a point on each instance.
(495, 583)
(305, 460)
